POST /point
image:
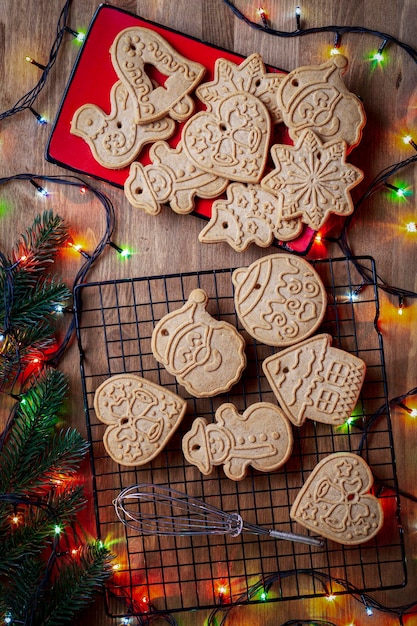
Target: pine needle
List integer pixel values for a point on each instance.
(76, 585)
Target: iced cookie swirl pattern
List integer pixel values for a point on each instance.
(279, 299)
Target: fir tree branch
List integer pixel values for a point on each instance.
(16, 355)
(38, 584)
(27, 539)
(39, 245)
(38, 520)
(38, 304)
(62, 455)
(75, 586)
(16, 596)
(29, 298)
(33, 424)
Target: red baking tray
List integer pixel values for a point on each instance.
(91, 81)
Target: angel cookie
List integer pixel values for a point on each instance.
(280, 299)
(260, 437)
(316, 381)
(335, 500)
(207, 356)
(140, 416)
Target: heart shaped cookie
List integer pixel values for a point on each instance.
(141, 417)
(334, 501)
(231, 141)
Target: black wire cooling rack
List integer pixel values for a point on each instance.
(158, 574)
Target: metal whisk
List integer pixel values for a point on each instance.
(155, 510)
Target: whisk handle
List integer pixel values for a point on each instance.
(281, 534)
(311, 541)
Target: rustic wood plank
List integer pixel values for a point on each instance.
(168, 243)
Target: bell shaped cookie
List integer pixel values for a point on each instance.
(260, 437)
(316, 381)
(335, 500)
(140, 416)
(134, 49)
(205, 355)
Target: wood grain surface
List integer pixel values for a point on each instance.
(168, 243)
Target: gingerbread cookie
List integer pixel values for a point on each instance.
(250, 76)
(115, 140)
(205, 355)
(171, 179)
(141, 417)
(260, 437)
(315, 97)
(132, 50)
(316, 381)
(232, 141)
(335, 500)
(248, 215)
(280, 299)
(312, 179)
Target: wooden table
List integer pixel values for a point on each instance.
(168, 243)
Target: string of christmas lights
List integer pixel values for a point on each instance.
(27, 100)
(328, 583)
(337, 30)
(137, 611)
(379, 182)
(90, 258)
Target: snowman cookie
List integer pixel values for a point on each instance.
(260, 437)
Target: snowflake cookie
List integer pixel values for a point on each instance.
(313, 179)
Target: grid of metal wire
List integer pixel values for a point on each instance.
(161, 574)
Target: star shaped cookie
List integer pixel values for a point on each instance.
(250, 76)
